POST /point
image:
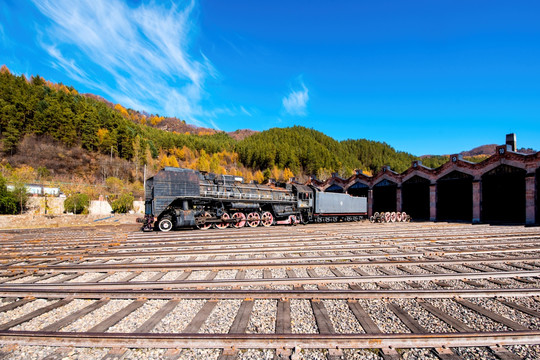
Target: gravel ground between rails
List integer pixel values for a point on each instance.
(468, 317)
(40, 352)
(280, 274)
(87, 277)
(226, 275)
(256, 354)
(144, 276)
(253, 274)
(117, 276)
(198, 275)
(23, 310)
(263, 317)
(51, 279)
(171, 275)
(342, 318)
(198, 354)
(87, 322)
(515, 315)
(428, 321)
(22, 280)
(417, 354)
(302, 318)
(131, 322)
(52, 316)
(530, 352)
(177, 320)
(221, 318)
(385, 319)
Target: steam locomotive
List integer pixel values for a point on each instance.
(177, 197)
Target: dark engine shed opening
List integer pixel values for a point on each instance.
(415, 195)
(503, 195)
(358, 189)
(537, 195)
(455, 197)
(334, 189)
(384, 196)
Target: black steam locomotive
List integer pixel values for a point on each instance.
(178, 197)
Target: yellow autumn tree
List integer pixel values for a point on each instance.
(173, 161)
(287, 174)
(258, 176)
(121, 110)
(203, 163)
(276, 173)
(154, 120)
(102, 134)
(164, 161)
(247, 175)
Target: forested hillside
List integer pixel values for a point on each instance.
(69, 136)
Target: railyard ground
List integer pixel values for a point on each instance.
(27, 221)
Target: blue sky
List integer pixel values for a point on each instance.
(427, 77)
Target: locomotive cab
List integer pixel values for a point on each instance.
(304, 200)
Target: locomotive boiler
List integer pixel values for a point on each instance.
(177, 197)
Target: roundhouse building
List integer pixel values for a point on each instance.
(501, 189)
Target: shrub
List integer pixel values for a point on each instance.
(77, 203)
(123, 204)
(20, 196)
(8, 203)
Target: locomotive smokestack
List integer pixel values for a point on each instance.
(511, 143)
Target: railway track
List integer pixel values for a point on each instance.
(324, 291)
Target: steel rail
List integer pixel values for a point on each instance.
(272, 239)
(161, 254)
(193, 241)
(158, 254)
(104, 251)
(270, 341)
(275, 281)
(267, 294)
(264, 263)
(298, 246)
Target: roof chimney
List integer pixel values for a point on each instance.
(511, 142)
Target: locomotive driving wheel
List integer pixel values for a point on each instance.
(253, 219)
(223, 224)
(165, 224)
(267, 219)
(203, 225)
(242, 220)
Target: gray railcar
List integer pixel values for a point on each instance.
(339, 204)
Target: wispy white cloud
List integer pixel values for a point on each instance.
(68, 66)
(145, 50)
(296, 102)
(2, 35)
(244, 111)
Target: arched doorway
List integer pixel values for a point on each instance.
(384, 196)
(503, 195)
(415, 195)
(454, 197)
(358, 189)
(334, 188)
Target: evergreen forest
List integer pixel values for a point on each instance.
(54, 133)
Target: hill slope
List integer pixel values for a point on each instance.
(40, 111)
